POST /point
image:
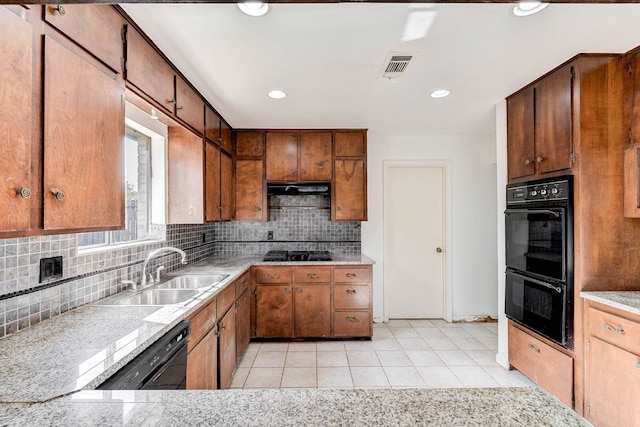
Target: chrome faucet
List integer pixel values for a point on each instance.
(152, 254)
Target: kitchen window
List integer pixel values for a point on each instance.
(137, 159)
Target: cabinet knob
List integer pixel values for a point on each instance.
(180, 108)
(224, 327)
(59, 195)
(60, 9)
(293, 171)
(338, 150)
(338, 208)
(539, 159)
(298, 289)
(637, 365)
(527, 162)
(304, 171)
(245, 283)
(287, 290)
(257, 208)
(439, 250)
(25, 192)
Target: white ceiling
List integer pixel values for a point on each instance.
(327, 57)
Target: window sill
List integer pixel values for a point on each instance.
(106, 248)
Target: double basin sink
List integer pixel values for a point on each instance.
(176, 290)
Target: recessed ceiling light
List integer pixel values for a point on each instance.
(440, 93)
(526, 8)
(276, 94)
(254, 8)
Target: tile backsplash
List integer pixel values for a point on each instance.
(296, 222)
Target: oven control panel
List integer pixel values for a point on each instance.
(553, 190)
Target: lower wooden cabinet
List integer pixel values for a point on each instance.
(227, 348)
(312, 301)
(243, 323)
(202, 364)
(612, 378)
(548, 367)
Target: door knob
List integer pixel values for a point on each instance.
(439, 250)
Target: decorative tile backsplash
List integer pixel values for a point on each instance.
(296, 222)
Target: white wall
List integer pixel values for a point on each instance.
(473, 250)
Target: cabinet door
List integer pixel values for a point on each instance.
(83, 136)
(315, 156)
(202, 364)
(350, 191)
(243, 323)
(97, 28)
(212, 125)
(15, 121)
(249, 196)
(212, 182)
(185, 177)
(227, 347)
(249, 143)
(553, 123)
(632, 96)
(189, 105)
(225, 137)
(282, 156)
(613, 386)
(520, 134)
(149, 72)
(274, 311)
(350, 143)
(312, 310)
(226, 187)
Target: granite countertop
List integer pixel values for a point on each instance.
(624, 300)
(80, 349)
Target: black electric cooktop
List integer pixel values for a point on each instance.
(281, 256)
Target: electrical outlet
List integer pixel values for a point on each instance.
(269, 235)
(50, 268)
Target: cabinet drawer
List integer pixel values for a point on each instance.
(352, 324)
(226, 300)
(274, 275)
(616, 330)
(242, 284)
(201, 323)
(312, 274)
(352, 275)
(543, 364)
(351, 296)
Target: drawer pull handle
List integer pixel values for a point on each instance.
(25, 192)
(351, 275)
(60, 9)
(273, 276)
(534, 348)
(351, 291)
(351, 319)
(527, 162)
(611, 328)
(245, 283)
(312, 276)
(539, 159)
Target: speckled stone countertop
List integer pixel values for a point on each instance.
(80, 349)
(485, 407)
(624, 300)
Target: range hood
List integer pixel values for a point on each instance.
(298, 189)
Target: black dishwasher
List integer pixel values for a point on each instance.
(162, 366)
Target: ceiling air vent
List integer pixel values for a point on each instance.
(396, 64)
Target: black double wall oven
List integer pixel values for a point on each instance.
(539, 257)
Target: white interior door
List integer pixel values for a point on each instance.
(414, 241)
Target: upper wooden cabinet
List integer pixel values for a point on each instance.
(249, 190)
(147, 70)
(15, 121)
(189, 105)
(539, 126)
(349, 196)
(282, 156)
(212, 186)
(97, 28)
(250, 143)
(83, 173)
(350, 143)
(185, 177)
(225, 137)
(298, 156)
(212, 125)
(226, 187)
(631, 68)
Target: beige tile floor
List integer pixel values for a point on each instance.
(402, 353)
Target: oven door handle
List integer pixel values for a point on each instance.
(516, 211)
(558, 289)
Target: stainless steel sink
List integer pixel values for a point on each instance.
(195, 281)
(157, 297)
